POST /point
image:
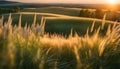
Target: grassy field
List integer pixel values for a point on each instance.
(59, 24)
(28, 47)
(64, 26)
(55, 10)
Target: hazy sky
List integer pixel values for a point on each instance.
(69, 1)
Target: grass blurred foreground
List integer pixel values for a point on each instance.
(29, 47)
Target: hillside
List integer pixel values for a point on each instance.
(69, 5)
(7, 2)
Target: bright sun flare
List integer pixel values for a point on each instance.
(112, 2)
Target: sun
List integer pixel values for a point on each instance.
(112, 2)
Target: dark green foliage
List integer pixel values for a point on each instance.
(10, 10)
(86, 13)
(99, 13)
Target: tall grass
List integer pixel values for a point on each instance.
(30, 48)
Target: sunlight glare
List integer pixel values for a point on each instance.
(112, 2)
(112, 5)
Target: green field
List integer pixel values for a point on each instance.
(59, 24)
(56, 10)
(45, 38)
(28, 47)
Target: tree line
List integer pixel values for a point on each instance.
(10, 10)
(99, 13)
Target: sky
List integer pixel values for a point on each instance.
(68, 1)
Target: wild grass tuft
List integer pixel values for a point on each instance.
(30, 48)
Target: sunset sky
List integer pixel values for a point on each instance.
(69, 1)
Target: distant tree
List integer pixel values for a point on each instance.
(114, 16)
(81, 13)
(85, 13)
(0, 11)
(99, 13)
(92, 14)
(15, 9)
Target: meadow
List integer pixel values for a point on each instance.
(55, 10)
(42, 38)
(58, 23)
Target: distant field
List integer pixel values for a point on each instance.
(56, 10)
(59, 24)
(28, 17)
(64, 26)
(49, 41)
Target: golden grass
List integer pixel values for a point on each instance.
(31, 46)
